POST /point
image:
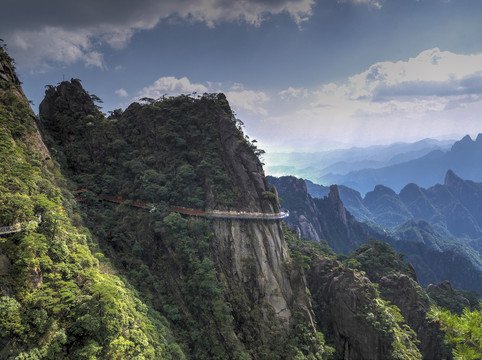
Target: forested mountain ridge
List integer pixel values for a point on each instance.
(58, 298)
(206, 288)
(227, 281)
(231, 290)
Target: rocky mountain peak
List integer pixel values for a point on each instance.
(465, 144)
(452, 180)
(8, 76)
(478, 140)
(410, 193)
(337, 204)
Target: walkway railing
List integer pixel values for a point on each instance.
(217, 214)
(230, 214)
(10, 229)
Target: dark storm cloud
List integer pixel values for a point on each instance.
(69, 31)
(34, 14)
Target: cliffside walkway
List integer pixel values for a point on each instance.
(217, 214)
(10, 229)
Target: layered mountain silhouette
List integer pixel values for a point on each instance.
(453, 209)
(316, 165)
(464, 158)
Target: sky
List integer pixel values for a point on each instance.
(303, 75)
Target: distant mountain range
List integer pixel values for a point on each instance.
(464, 158)
(423, 163)
(443, 217)
(315, 166)
(434, 256)
(452, 209)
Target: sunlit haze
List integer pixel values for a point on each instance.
(303, 75)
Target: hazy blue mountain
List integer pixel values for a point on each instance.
(443, 217)
(453, 209)
(435, 257)
(464, 158)
(315, 166)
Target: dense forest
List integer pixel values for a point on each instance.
(60, 298)
(86, 278)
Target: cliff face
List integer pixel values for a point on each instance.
(228, 279)
(257, 245)
(434, 256)
(302, 208)
(317, 219)
(354, 316)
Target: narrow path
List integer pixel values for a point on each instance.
(218, 214)
(230, 214)
(10, 229)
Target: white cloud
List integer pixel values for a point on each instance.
(171, 86)
(239, 98)
(293, 93)
(253, 12)
(121, 92)
(373, 3)
(433, 75)
(55, 44)
(434, 94)
(249, 100)
(76, 32)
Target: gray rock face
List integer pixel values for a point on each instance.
(253, 254)
(318, 219)
(340, 295)
(245, 169)
(414, 309)
(252, 257)
(307, 228)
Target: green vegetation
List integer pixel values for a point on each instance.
(303, 252)
(390, 324)
(58, 300)
(454, 300)
(377, 259)
(463, 332)
(384, 318)
(163, 291)
(165, 152)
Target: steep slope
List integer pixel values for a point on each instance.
(349, 309)
(58, 299)
(452, 210)
(222, 283)
(397, 283)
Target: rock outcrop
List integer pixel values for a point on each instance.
(348, 306)
(317, 219)
(414, 305)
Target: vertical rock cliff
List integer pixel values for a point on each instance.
(317, 219)
(189, 152)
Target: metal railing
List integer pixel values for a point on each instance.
(10, 229)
